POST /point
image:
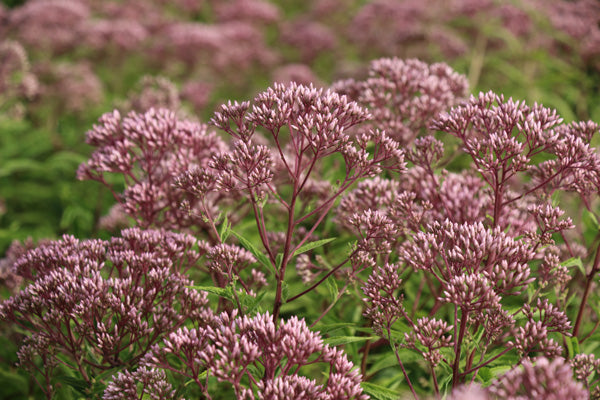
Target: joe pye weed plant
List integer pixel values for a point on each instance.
(382, 238)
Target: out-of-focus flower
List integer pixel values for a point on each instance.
(197, 93)
(154, 92)
(309, 38)
(9, 278)
(225, 47)
(73, 87)
(376, 26)
(578, 19)
(252, 11)
(116, 35)
(48, 25)
(405, 95)
(299, 73)
(115, 220)
(147, 13)
(469, 392)
(17, 82)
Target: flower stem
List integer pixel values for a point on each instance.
(586, 292)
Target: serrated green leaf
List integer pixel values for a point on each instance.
(255, 372)
(78, 384)
(260, 257)
(571, 262)
(107, 374)
(500, 370)
(313, 245)
(484, 374)
(225, 229)
(386, 360)
(390, 360)
(222, 292)
(364, 329)
(332, 327)
(445, 383)
(379, 392)
(332, 289)
(340, 340)
(252, 303)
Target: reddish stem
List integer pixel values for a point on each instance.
(586, 292)
(323, 278)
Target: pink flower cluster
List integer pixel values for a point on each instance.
(239, 349)
(473, 237)
(93, 305)
(149, 150)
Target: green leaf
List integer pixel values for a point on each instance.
(379, 392)
(313, 245)
(479, 334)
(255, 372)
(590, 224)
(499, 370)
(574, 262)
(201, 376)
(445, 383)
(334, 326)
(569, 347)
(107, 374)
(333, 289)
(339, 340)
(555, 198)
(252, 303)
(225, 229)
(264, 260)
(222, 292)
(484, 374)
(571, 262)
(575, 343)
(387, 360)
(278, 260)
(78, 384)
